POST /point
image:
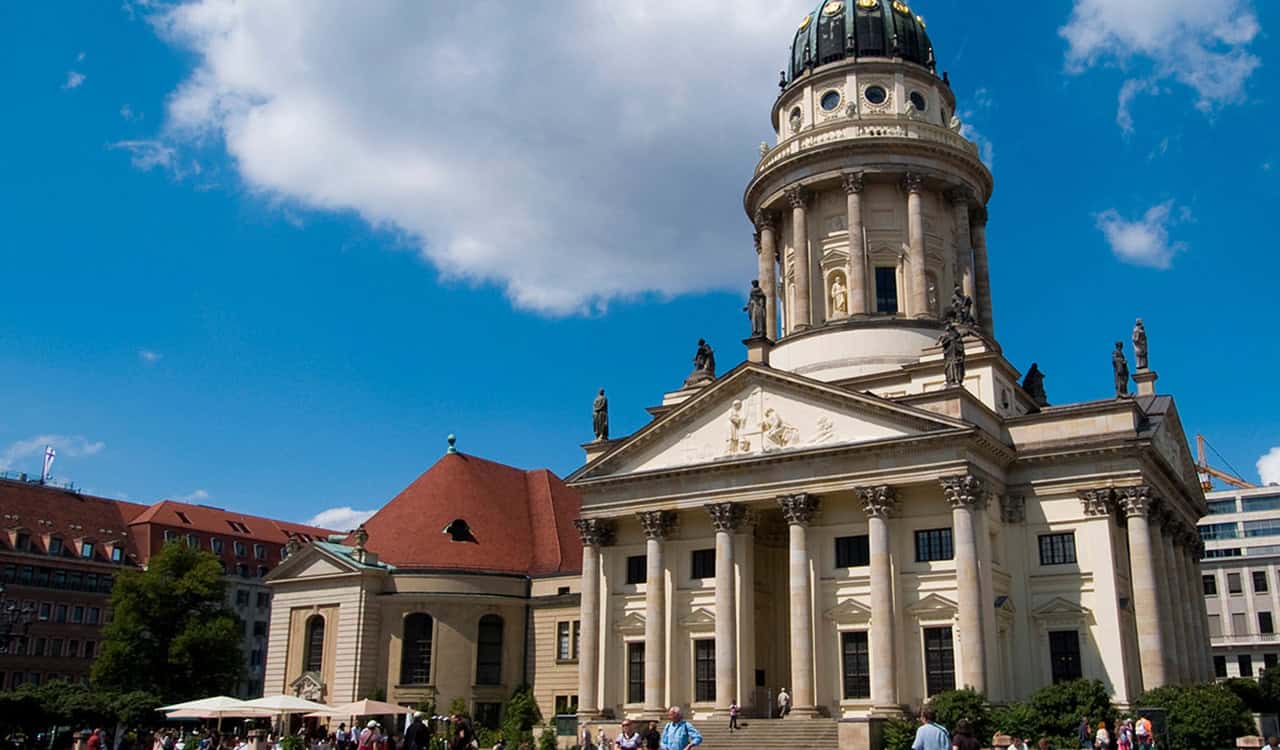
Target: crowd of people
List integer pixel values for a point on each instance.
(677, 734)
(1130, 734)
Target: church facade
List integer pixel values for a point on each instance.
(873, 508)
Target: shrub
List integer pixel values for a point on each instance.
(1248, 691)
(1201, 716)
(1269, 685)
(520, 716)
(1018, 720)
(953, 705)
(459, 706)
(898, 734)
(547, 740)
(1060, 708)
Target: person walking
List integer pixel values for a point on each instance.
(1084, 734)
(963, 739)
(930, 735)
(679, 734)
(417, 736)
(628, 738)
(784, 703)
(733, 716)
(1102, 740)
(652, 737)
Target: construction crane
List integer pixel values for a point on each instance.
(1208, 473)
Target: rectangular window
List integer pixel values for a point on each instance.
(1269, 661)
(23, 542)
(636, 572)
(216, 545)
(562, 641)
(38, 649)
(857, 665)
(1234, 586)
(55, 546)
(46, 609)
(887, 290)
(260, 628)
(704, 563)
(75, 580)
(255, 657)
(1210, 554)
(1218, 507)
(932, 545)
(90, 649)
(1057, 549)
(853, 551)
(77, 614)
(635, 673)
(1259, 581)
(1265, 527)
(1246, 665)
(939, 660)
(242, 597)
(242, 570)
(488, 715)
(1210, 582)
(42, 576)
(704, 670)
(59, 579)
(259, 551)
(117, 554)
(73, 648)
(60, 613)
(1265, 625)
(1238, 624)
(264, 600)
(1212, 531)
(1064, 652)
(170, 535)
(193, 541)
(1255, 504)
(55, 647)
(25, 574)
(240, 548)
(566, 705)
(92, 615)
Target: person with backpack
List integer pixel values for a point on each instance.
(930, 735)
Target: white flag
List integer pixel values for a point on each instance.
(49, 454)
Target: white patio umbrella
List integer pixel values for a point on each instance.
(215, 703)
(365, 707)
(285, 704)
(195, 713)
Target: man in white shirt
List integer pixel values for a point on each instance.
(784, 703)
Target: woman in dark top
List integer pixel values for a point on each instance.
(652, 737)
(963, 739)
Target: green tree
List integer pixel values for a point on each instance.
(1201, 716)
(899, 733)
(1017, 720)
(173, 632)
(951, 706)
(547, 740)
(520, 716)
(1249, 691)
(1269, 684)
(1061, 707)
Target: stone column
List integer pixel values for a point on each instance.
(803, 314)
(1192, 601)
(726, 518)
(1192, 548)
(1156, 517)
(919, 306)
(1178, 603)
(967, 497)
(982, 299)
(595, 533)
(879, 503)
(657, 526)
(798, 510)
(1142, 573)
(964, 247)
(767, 232)
(857, 271)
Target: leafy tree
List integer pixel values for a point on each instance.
(1249, 691)
(1201, 716)
(1018, 720)
(898, 734)
(520, 716)
(1061, 707)
(458, 706)
(1269, 684)
(951, 706)
(172, 631)
(547, 740)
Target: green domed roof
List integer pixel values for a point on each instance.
(841, 29)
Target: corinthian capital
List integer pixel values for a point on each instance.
(852, 182)
(878, 502)
(797, 196)
(798, 509)
(912, 183)
(726, 516)
(961, 195)
(657, 524)
(1098, 502)
(765, 220)
(964, 491)
(595, 532)
(1137, 501)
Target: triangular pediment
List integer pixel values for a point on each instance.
(631, 623)
(1170, 440)
(699, 618)
(1059, 609)
(755, 412)
(849, 612)
(311, 561)
(934, 605)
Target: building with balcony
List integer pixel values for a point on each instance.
(1239, 570)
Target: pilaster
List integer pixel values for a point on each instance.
(967, 495)
(798, 511)
(657, 526)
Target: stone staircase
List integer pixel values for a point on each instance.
(770, 734)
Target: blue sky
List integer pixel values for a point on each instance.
(267, 255)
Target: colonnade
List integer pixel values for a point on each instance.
(967, 497)
(1164, 554)
(971, 271)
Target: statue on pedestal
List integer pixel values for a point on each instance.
(600, 416)
(756, 311)
(1121, 368)
(952, 342)
(839, 297)
(1033, 384)
(704, 365)
(1140, 345)
(960, 312)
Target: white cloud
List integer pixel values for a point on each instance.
(192, 497)
(74, 80)
(126, 112)
(67, 446)
(1144, 241)
(340, 519)
(148, 356)
(539, 147)
(1202, 46)
(1269, 466)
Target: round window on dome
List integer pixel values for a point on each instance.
(876, 94)
(918, 101)
(830, 101)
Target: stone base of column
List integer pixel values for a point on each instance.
(758, 348)
(1146, 381)
(803, 712)
(861, 733)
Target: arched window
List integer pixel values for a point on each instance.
(415, 657)
(489, 651)
(313, 659)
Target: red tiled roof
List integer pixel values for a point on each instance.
(170, 514)
(45, 511)
(523, 520)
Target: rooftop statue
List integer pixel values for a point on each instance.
(755, 310)
(1120, 366)
(953, 354)
(704, 365)
(1140, 345)
(1033, 384)
(600, 416)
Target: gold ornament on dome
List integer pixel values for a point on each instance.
(832, 8)
(804, 23)
(920, 21)
(868, 4)
(901, 7)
